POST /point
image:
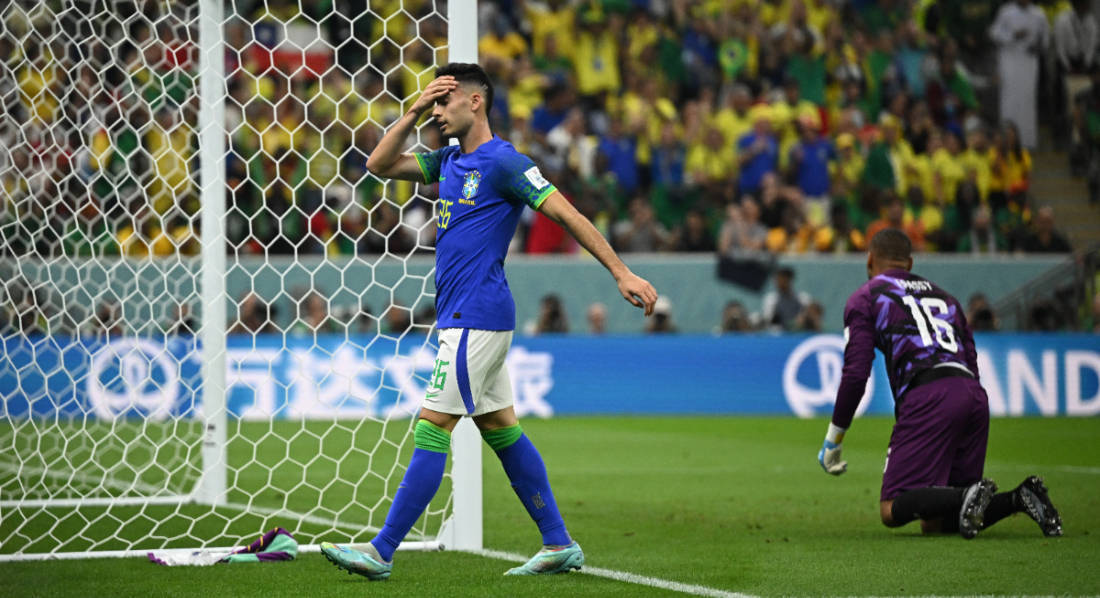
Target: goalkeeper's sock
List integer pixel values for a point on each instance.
(1000, 506)
(927, 503)
(417, 488)
(527, 472)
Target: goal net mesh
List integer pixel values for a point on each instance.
(328, 274)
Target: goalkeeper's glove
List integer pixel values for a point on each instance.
(829, 455)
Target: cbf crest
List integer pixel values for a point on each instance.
(470, 184)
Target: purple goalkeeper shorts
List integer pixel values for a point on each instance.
(939, 438)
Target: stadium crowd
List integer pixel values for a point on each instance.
(739, 126)
(789, 126)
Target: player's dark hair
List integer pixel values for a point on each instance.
(892, 244)
(466, 72)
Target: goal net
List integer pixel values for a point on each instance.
(214, 321)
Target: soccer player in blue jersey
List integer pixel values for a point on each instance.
(484, 186)
(937, 450)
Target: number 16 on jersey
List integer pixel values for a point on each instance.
(925, 313)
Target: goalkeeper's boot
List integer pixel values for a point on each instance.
(559, 559)
(367, 563)
(1032, 495)
(975, 500)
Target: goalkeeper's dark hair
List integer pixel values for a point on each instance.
(892, 244)
(466, 72)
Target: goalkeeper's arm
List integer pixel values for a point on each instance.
(859, 354)
(633, 288)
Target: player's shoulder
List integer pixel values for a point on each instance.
(506, 165)
(938, 291)
(442, 156)
(871, 291)
(449, 152)
(505, 155)
(861, 298)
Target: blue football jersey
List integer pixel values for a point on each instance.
(481, 197)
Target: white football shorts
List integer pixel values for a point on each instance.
(469, 376)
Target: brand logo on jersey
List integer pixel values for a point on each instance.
(914, 285)
(470, 183)
(811, 376)
(535, 177)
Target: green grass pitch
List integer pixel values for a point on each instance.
(732, 503)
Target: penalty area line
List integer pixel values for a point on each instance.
(623, 576)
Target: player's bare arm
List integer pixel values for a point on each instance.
(633, 288)
(388, 160)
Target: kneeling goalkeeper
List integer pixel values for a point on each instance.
(936, 456)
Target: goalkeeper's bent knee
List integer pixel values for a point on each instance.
(431, 437)
(502, 438)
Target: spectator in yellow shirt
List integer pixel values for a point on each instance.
(644, 109)
(733, 118)
(977, 163)
(920, 174)
(641, 35)
(1012, 161)
(788, 110)
(501, 43)
(551, 18)
(135, 235)
(525, 91)
(847, 170)
(169, 143)
(947, 168)
(39, 84)
(928, 216)
(819, 14)
(711, 161)
(395, 22)
(901, 153)
(596, 58)
(419, 71)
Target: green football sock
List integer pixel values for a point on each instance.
(502, 438)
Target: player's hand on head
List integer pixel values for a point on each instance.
(439, 87)
(638, 292)
(829, 458)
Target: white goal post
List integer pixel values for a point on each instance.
(212, 325)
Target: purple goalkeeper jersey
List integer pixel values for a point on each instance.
(914, 323)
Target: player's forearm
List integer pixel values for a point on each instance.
(859, 354)
(389, 148)
(590, 238)
(848, 397)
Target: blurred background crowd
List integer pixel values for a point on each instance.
(785, 126)
(746, 128)
(790, 126)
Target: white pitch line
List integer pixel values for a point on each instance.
(1082, 469)
(643, 580)
(1071, 469)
